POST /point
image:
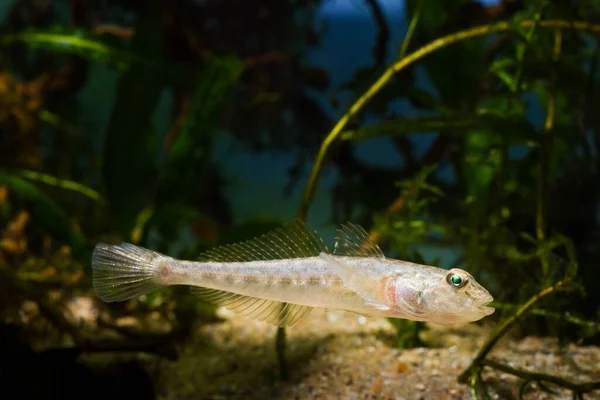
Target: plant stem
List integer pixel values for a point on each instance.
(540, 377)
(544, 158)
(411, 30)
(497, 335)
(280, 350)
(403, 64)
(595, 326)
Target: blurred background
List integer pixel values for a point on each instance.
(180, 125)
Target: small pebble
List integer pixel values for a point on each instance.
(420, 386)
(401, 367)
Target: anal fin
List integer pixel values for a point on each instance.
(269, 311)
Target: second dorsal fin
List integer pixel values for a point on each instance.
(354, 241)
(293, 240)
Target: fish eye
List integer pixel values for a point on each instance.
(457, 280)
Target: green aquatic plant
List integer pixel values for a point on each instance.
(43, 208)
(487, 170)
(80, 43)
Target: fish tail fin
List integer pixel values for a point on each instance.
(121, 272)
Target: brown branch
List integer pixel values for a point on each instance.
(383, 33)
(545, 150)
(583, 387)
(566, 317)
(499, 333)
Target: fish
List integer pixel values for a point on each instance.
(281, 276)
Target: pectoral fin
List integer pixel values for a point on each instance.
(364, 285)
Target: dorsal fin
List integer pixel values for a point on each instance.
(354, 241)
(293, 240)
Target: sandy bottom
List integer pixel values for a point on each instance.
(338, 355)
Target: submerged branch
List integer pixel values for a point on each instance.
(595, 326)
(383, 34)
(496, 336)
(545, 150)
(583, 387)
(280, 350)
(403, 64)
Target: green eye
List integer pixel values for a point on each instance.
(456, 280)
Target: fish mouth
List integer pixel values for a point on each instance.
(483, 307)
(486, 310)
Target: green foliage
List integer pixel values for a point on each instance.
(187, 176)
(61, 183)
(189, 155)
(142, 190)
(77, 42)
(483, 120)
(511, 170)
(130, 176)
(412, 225)
(45, 211)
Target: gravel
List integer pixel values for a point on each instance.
(339, 355)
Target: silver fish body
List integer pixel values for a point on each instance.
(280, 277)
(304, 281)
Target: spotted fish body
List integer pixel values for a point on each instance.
(281, 276)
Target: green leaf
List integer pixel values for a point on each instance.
(61, 183)
(188, 160)
(405, 126)
(44, 210)
(514, 128)
(77, 43)
(481, 162)
(504, 70)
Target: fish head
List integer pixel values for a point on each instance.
(444, 297)
(456, 297)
